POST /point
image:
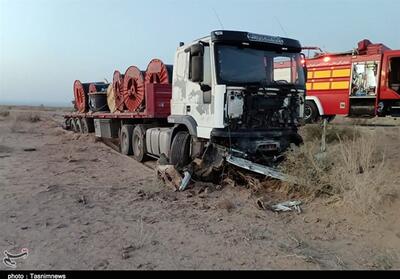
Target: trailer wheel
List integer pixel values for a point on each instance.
(126, 139)
(67, 124)
(311, 113)
(180, 150)
(87, 126)
(139, 143)
(74, 128)
(79, 125)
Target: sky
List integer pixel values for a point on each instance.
(47, 44)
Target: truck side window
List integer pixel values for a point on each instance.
(181, 70)
(207, 66)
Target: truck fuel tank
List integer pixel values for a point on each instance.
(158, 141)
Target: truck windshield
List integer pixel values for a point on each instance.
(237, 65)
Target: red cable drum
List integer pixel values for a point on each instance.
(133, 88)
(81, 91)
(158, 72)
(118, 79)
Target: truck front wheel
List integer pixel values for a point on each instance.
(311, 113)
(180, 150)
(139, 143)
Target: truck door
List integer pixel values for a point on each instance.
(390, 76)
(388, 101)
(199, 103)
(188, 99)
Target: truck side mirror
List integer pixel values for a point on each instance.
(197, 69)
(196, 62)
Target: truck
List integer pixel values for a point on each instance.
(363, 82)
(233, 98)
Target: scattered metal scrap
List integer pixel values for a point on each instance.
(280, 207)
(287, 206)
(268, 171)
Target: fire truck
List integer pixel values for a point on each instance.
(364, 82)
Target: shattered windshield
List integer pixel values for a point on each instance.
(238, 65)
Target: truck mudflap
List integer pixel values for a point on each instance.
(261, 169)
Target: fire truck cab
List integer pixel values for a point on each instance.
(364, 82)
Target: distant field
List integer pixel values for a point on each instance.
(39, 108)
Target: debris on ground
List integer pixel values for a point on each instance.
(287, 206)
(171, 177)
(185, 181)
(279, 207)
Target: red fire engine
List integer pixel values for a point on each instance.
(364, 82)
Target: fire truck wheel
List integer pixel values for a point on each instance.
(126, 139)
(180, 150)
(79, 125)
(311, 113)
(139, 143)
(73, 125)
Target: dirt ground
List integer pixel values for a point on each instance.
(77, 204)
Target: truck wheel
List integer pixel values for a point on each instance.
(139, 143)
(180, 150)
(79, 125)
(74, 128)
(87, 126)
(126, 139)
(310, 112)
(67, 124)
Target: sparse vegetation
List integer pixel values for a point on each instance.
(352, 169)
(4, 113)
(31, 117)
(333, 133)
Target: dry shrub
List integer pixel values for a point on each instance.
(31, 117)
(333, 133)
(352, 168)
(4, 113)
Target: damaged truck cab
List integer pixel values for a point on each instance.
(239, 93)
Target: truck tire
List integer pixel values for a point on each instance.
(79, 125)
(180, 150)
(139, 143)
(125, 139)
(87, 126)
(73, 125)
(311, 113)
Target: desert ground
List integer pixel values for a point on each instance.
(76, 203)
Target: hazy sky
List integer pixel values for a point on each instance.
(46, 44)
